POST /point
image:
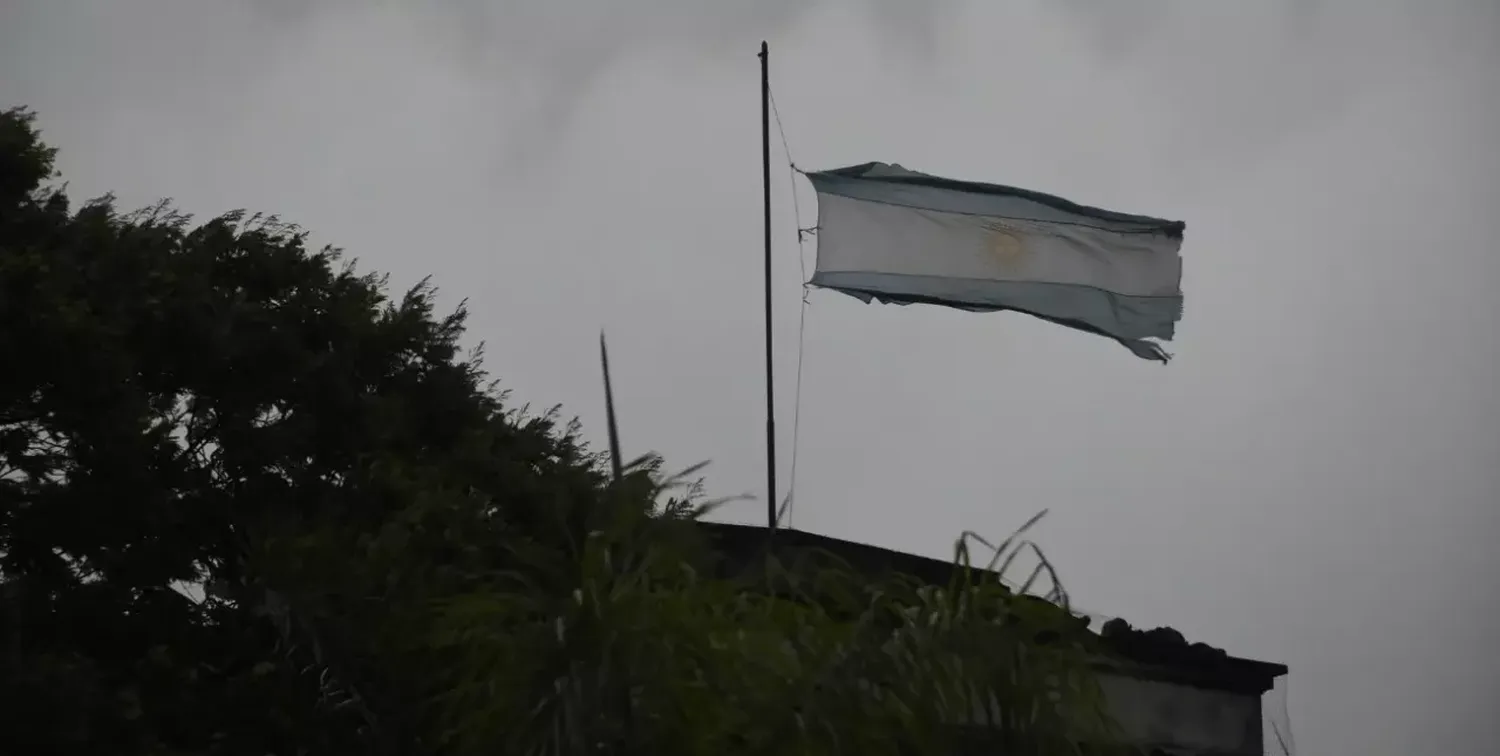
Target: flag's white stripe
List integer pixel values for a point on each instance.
(868, 237)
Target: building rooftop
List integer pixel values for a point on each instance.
(1161, 653)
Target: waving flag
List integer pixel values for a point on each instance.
(892, 235)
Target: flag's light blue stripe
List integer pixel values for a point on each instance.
(893, 185)
(1123, 317)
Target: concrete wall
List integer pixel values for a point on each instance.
(1184, 718)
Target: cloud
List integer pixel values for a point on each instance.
(1311, 481)
(543, 58)
(1255, 75)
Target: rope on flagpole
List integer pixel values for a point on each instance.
(788, 507)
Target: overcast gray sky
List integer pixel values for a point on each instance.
(1313, 480)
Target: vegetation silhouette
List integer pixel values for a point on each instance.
(250, 503)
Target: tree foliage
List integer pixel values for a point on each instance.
(250, 504)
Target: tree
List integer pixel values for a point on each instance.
(391, 559)
(171, 391)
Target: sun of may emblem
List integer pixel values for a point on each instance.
(1004, 244)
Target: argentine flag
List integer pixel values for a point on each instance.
(892, 235)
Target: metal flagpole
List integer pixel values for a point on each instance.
(765, 158)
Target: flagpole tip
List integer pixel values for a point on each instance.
(763, 48)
